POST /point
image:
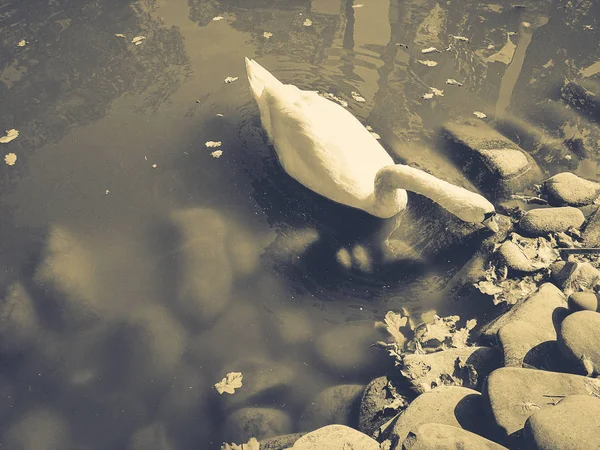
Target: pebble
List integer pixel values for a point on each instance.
(568, 189)
(336, 437)
(579, 340)
(524, 344)
(259, 423)
(584, 301)
(511, 255)
(437, 436)
(449, 405)
(513, 394)
(335, 405)
(542, 221)
(573, 424)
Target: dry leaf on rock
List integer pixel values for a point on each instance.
(10, 135)
(357, 97)
(230, 79)
(252, 444)
(231, 382)
(453, 82)
(479, 114)
(394, 322)
(267, 34)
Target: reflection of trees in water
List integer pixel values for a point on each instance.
(75, 66)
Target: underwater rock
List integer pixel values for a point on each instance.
(294, 325)
(542, 221)
(513, 394)
(573, 423)
(152, 437)
(579, 340)
(19, 321)
(584, 301)
(335, 436)
(39, 429)
(466, 367)
(583, 95)
(591, 233)
(449, 405)
(280, 442)
(525, 344)
(527, 255)
(568, 189)
(436, 436)
(258, 423)
(335, 405)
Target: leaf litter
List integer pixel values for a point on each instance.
(11, 135)
(231, 382)
(217, 154)
(10, 159)
(267, 34)
(453, 82)
(430, 50)
(252, 444)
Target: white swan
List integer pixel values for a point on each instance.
(325, 148)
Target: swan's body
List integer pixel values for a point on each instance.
(325, 148)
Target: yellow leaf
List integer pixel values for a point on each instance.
(231, 382)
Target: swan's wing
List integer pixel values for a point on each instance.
(323, 146)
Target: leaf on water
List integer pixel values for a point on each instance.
(487, 287)
(375, 135)
(213, 144)
(427, 96)
(267, 34)
(369, 128)
(230, 79)
(216, 19)
(154, 166)
(307, 23)
(138, 40)
(335, 98)
(428, 63)
(217, 153)
(10, 136)
(22, 43)
(430, 50)
(479, 114)
(231, 382)
(358, 6)
(252, 444)
(588, 27)
(461, 38)
(120, 35)
(437, 92)
(357, 97)
(453, 82)
(10, 159)
(220, 115)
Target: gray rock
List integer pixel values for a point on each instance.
(544, 309)
(579, 340)
(259, 423)
(511, 255)
(568, 189)
(591, 233)
(436, 436)
(280, 442)
(449, 367)
(513, 394)
(373, 413)
(542, 221)
(525, 345)
(584, 301)
(335, 405)
(572, 424)
(335, 437)
(449, 405)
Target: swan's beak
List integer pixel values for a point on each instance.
(491, 223)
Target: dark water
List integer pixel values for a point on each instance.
(132, 289)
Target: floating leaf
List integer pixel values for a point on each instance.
(369, 128)
(357, 97)
(358, 6)
(307, 23)
(10, 159)
(230, 79)
(252, 444)
(217, 153)
(394, 322)
(437, 92)
(267, 34)
(489, 288)
(10, 135)
(154, 166)
(231, 382)
(120, 35)
(216, 19)
(22, 43)
(138, 40)
(479, 114)
(428, 63)
(461, 38)
(427, 96)
(220, 115)
(453, 82)
(430, 50)
(375, 135)
(213, 144)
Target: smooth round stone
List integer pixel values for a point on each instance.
(335, 405)
(259, 423)
(437, 436)
(280, 442)
(584, 301)
(514, 258)
(579, 339)
(573, 424)
(336, 437)
(568, 189)
(507, 162)
(541, 221)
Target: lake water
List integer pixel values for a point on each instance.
(140, 269)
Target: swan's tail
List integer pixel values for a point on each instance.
(259, 78)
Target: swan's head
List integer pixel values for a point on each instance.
(489, 221)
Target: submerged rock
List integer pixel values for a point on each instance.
(568, 189)
(572, 424)
(514, 394)
(336, 437)
(583, 95)
(591, 233)
(456, 366)
(542, 221)
(436, 436)
(152, 437)
(579, 340)
(449, 405)
(280, 442)
(38, 429)
(584, 301)
(19, 321)
(335, 405)
(259, 423)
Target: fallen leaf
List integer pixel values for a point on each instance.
(220, 115)
(154, 166)
(487, 287)
(588, 27)
(217, 153)
(252, 444)
(430, 50)
(22, 43)
(479, 114)
(453, 82)
(213, 144)
(428, 63)
(230, 79)
(369, 128)
(120, 35)
(357, 6)
(357, 97)
(216, 19)
(375, 135)
(394, 322)
(138, 40)
(427, 96)
(307, 23)
(461, 38)
(231, 382)
(10, 135)
(267, 34)
(10, 159)
(106, 192)
(437, 92)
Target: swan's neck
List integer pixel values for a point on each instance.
(466, 205)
